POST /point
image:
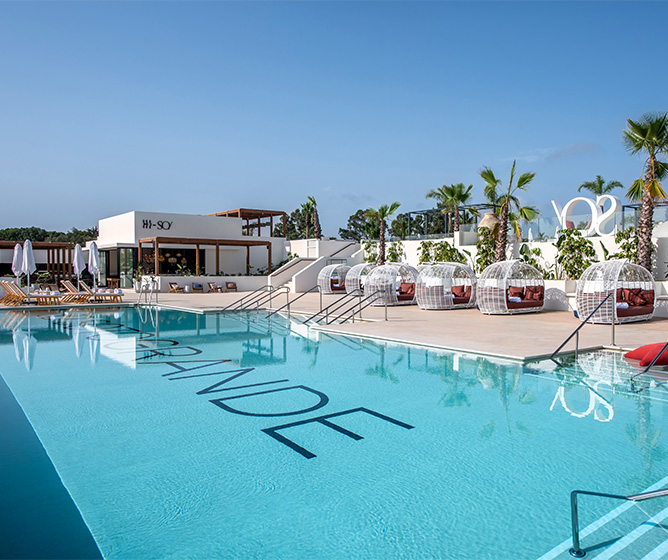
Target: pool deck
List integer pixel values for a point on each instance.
(522, 337)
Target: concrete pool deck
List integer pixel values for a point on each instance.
(521, 337)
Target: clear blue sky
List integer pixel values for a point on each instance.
(200, 107)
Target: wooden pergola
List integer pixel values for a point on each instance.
(58, 257)
(249, 214)
(217, 243)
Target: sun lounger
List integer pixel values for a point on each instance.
(104, 296)
(73, 295)
(213, 288)
(197, 287)
(174, 288)
(20, 297)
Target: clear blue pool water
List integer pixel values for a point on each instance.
(214, 436)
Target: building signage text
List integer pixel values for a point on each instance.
(160, 225)
(599, 217)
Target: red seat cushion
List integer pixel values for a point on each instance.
(458, 291)
(467, 292)
(663, 358)
(639, 353)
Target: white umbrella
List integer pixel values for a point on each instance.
(17, 262)
(93, 261)
(530, 236)
(28, 265)
(78, 263)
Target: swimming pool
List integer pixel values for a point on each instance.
(198, 436)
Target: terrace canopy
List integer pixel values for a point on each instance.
(445, 286)
(331, 279)
(631, 286)
(250, 215)
(510, 287)
(59, 256)
(217, 243)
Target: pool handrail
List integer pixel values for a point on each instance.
(335, 305)
(576, 332)
(369, 301)
(263, 298)
(576, 551)
(236, 304)
(291, 302)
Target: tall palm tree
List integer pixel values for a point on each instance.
(317, 231)
(450, 198)
(379, 216)
(307, 210)
(510, 208)
(598, 186)
(648, 135)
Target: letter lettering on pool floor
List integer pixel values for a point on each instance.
(323, 400)
(273, 431)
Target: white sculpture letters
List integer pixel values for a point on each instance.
(599, 217)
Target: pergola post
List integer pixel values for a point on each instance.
(157, 262)
(259, 226)
(271, 226)
(269, 258)
(197, 271)
(140, 257)
(69, 270)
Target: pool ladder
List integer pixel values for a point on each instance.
(577, 550)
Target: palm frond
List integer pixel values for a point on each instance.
(524, 180)
(636, 189)
(655, 189)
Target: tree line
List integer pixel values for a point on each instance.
(33, 233)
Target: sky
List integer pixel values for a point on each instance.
(199, 107)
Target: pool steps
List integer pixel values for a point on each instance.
(648, 541)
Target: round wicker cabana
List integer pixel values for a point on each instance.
(632, 288)
(331, 279)
(510, 287)
(396, 281)
(445, 286)
(356, 276)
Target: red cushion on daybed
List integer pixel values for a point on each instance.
(467, 292)
(535, 293)
(620, 294)
(458, 291)
(663, 358)
(516, 291)
(635, 310)
(639, 353)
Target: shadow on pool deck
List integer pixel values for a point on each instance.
(38, 518)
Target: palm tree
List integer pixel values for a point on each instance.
(317, 231)
(307, 210)
(450, 198)
(598, 186)
(648, 135)
(510, 208)
(379, 216)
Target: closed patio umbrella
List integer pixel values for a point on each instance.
(530, 236)
(78, 263)
(28, 264)
(93, 261)
(17, 262)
